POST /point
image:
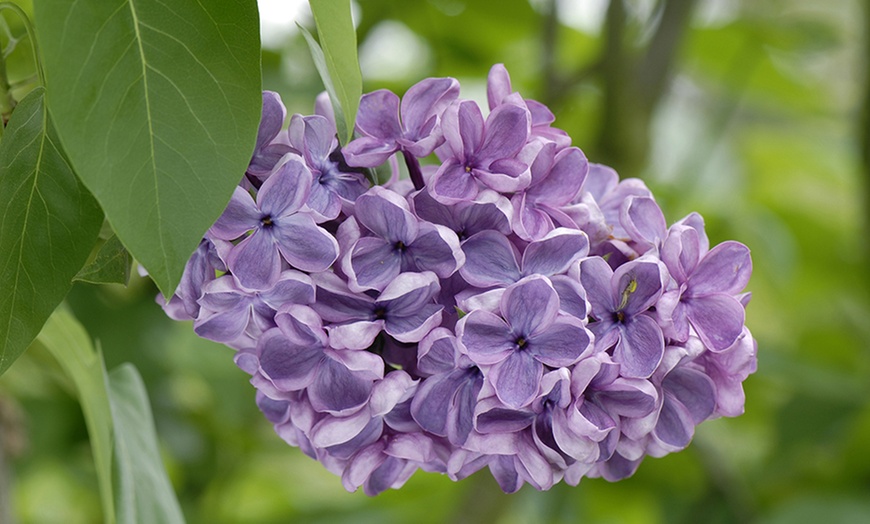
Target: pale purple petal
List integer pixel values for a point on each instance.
(290, 367)
(271, 119)
(436, 249)
(336, 389)
(286, 190)
(354, 335)
(414, 326)
(554, 253)
(572, 296)
(378, 115)
(374, 263)
(564, 179)
(490, 259)
(724, 269)
(255, 261)
(336, 303)
(638, 284)
(453, 183)
(498, 85)
(437, 352)
(507, 129)
(387, 215)
(675, 426)
(240, 216)
(681, 252)
(368, 151)
(530, 306)
(643, 220)
(517, 379)
(694, 390)
(305, 245)
(595, 276)
(562, 344)
(640, 347)
(529, 221)
(427, 98)
(225, 325)
(718, 319)
(292, 287)
(485, 336)
(463, 128)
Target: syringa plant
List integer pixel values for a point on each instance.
(512, 306)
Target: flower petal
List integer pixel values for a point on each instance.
(724, 269)
(240, 216)
(336, 389)
(255, 262)
(305, 245)
(286, 189)
(374, 263)
(554, 253)
(289, 366)
(517, 379)
(718, 319)
(640, 347)
(436, 249)
(507, 129)
(485, 336)
(427, 98)
(562, 344)
(490, 260)
(378, 115)
(530, 306)
(387, 215)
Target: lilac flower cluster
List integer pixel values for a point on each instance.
(509, 306)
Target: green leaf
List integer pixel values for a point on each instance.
(337, 61)
(65, 338)
(134, 487)
(157, 104)
(48, 224)
(143, 492)
(110, 266)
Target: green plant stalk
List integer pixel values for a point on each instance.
(7, 101)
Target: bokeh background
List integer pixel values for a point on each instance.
(753, 113)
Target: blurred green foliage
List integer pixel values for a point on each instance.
(756, 128)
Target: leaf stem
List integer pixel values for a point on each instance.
(7, 101)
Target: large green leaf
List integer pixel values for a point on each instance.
(111, 265)
(66, 339)
(134, 487)
(157, 104)
(48, 225)
(337, 61)
(143, 493)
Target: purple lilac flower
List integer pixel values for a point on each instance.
(280, 229)
(706, 288)
(620, 300)
(490, 211)
(398, 242)
(295, 356)
(499, 91)
(556, 180)
(229, 311)
(333, 185)
(527, 334)
(444, 404)
(480, 154)
(389, 126)
(492, 260)
(405, 309)
(466, 325)
(271, 146)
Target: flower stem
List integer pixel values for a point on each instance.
(414, 170)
